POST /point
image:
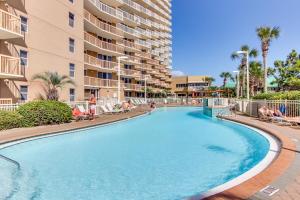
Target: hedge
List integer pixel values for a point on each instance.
(9, 120)
(43, 112)
(290, 95)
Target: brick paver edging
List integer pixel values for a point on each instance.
(271, 173)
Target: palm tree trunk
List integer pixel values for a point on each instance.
(265, 73)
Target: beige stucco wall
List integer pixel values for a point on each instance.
(47, 43)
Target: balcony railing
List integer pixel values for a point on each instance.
(10, 22)
(101, 25)
(135, 87)
(143, 55)
(107, 9)
(128, 44)
(130, 72)
(10, 67)
(102, 64)
(101, 44)
(101, 83)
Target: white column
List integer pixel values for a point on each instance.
(119, 80)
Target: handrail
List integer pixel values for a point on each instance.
(11, 161)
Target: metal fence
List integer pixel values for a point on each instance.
(9, 107)
(289, 108)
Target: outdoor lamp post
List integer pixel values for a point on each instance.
(247, 69)
(237, 83)
(119, 76)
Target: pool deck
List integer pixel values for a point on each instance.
(283, 173)
(23, 133)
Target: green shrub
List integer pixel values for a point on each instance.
(9, 120)
(290, 95)
(43, 112)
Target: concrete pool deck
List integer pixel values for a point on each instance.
(283, 173)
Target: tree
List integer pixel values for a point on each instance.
(266, 36)
(256, 76)
(226, 76)
(253, 53)
(210, 80)
(52, 82)
(287, 74)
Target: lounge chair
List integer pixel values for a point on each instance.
(293, 121)
(79, 113)
(105, 110)
(112, 109)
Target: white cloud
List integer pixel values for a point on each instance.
(177, 73)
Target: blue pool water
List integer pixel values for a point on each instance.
(172, 154)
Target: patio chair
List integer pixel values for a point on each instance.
(112, 109)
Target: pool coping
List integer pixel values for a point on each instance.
(272, 154)
(279, 165)
(243, 190)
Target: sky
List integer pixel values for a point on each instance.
(207, 32)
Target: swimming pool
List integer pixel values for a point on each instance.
(174, 153)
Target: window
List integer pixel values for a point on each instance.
(24, 24)
(72, 70)
(71, 19)
(72, 94)
(24, 92)
(23, 57)
(71, 45)
(72, 1)
(104, 75)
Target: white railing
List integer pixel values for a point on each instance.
(101, 44)
(10, 22)
(11, 66)
(102, 64)
(101, 83)
(107, 9)
(289, 108)
(9, 107)
(101, 25)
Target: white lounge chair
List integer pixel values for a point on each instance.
(106, 110)
(112, 110)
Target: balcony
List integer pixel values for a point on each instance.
(131, 20)
(130, 73)
(93, 24)
(94, 44)
(10, 26)
(114, 3)
(97, 64)
(11, 68)
(128, 45)
(131, 60)
(143, 55)
(129, 33)
(133, 87)
(93, 82)
(104, 11)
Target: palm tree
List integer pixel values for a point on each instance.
(266, 35)
(226, 76)
(256, 75)
(52, 82)
(209, 80)
(253, 53)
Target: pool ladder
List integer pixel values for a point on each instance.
(11, 161)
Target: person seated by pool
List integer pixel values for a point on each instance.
(77, 115)
(152, 105)
(126, 106)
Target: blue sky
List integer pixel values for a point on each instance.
(206, 32)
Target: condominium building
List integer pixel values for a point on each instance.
(190, 86)
(95, 42)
